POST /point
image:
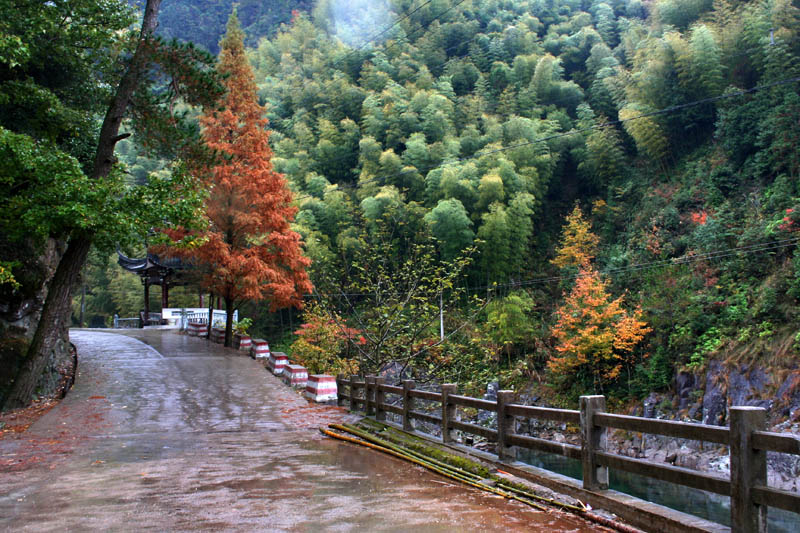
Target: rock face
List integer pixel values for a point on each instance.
(715, 406)
(744, 385)
(649, 405)
(747, 386)
(19, 317)
(787, 397)
(685, 385)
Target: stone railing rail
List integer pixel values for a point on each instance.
(127, 322)
(746, 436)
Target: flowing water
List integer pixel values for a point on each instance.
(697, 502)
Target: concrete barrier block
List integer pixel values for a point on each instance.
(242, 342)
(196, 329)
(218, 335)
(277, 362)
(321, 388)
(259, 349)
(295, 376)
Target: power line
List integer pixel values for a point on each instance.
(422, 27)
(542, 139)
(677, 261)
(370, 39)
(750, 249)
(552, 137)
(425, 27)
(664, 111)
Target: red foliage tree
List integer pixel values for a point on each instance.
(249, 251)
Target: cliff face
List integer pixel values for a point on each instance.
(703, 397)
(19, 315)
(706, 397)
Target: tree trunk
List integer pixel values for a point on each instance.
(57, 305)
(83, 305)
(54, 319)
(228, 321)
(109, 131)
(210, 314)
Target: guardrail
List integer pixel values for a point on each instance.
(126, 322)
(746, 437)
(201, 316)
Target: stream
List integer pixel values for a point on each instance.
(697, 502)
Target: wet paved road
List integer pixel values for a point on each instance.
(164, 432)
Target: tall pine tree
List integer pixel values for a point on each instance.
(249, 251)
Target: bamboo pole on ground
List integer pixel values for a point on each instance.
(371, 441)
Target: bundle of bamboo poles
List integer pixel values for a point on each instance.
(494, 484)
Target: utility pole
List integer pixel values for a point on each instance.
(441, 317)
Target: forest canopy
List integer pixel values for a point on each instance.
(466, 132)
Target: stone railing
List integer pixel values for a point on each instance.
(746, 436)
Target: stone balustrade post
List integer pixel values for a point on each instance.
(380, 400)
(408, 404)
(448, 412)
(748, 469)
(505, 426)
(369, 395)
(353, 393)
(593, 439)
(340, 382)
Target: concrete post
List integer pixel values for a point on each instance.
(748, 468)
(369, 395)
(505, 426)
(164, 296)
(448, 411)
(353, 394)
(340, 381)
(146, 300)
(408, 404)
(380, 400)
(593, 439)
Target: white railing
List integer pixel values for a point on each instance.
(126, 322)
(177, 316)
(201, 315)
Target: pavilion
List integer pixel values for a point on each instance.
(155, 270)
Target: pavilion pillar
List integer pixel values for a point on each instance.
(146, 299)
(164, 294)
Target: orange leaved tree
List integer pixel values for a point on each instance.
(249, 251)
(578, 243)
(596, 336)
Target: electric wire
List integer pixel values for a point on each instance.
(372, 38)
(686, 259)
(423, 27)
(571, 132)
(667, 110)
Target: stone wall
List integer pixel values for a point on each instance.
(20, 311)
